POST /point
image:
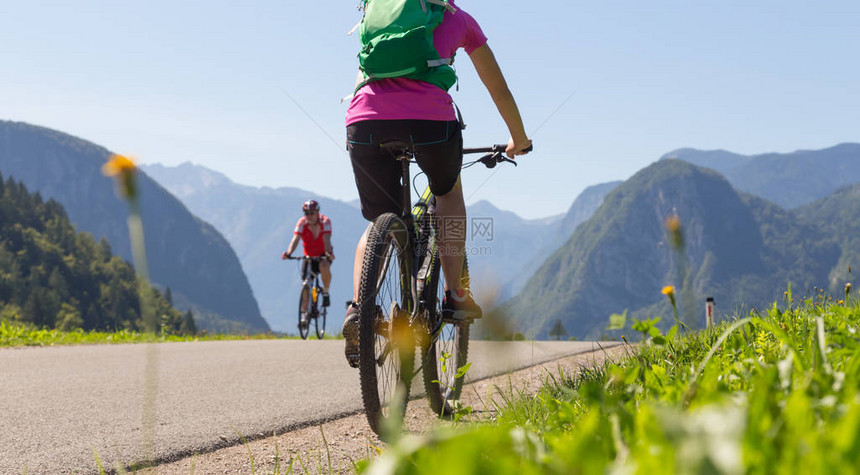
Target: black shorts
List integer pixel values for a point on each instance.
(438, 149)
(314, 268)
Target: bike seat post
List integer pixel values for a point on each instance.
(403, 152)
(407, 207)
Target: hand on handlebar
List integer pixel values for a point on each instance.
(518, 148)
(285, 256)
(330, 256)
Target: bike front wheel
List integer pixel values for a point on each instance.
(304, 306)
(319, 322)
(386, 344)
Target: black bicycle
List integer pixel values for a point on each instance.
(309, 297)
(400, 305)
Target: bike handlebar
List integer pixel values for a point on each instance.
(310, 258)
(494, 154)
(500, 148)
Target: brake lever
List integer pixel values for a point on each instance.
(492, 159)
(489, 160)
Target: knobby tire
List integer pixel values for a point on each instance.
(386, 344)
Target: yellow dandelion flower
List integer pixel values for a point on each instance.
(124, 170)
(118, 165)
(673, 223)
(673, 227)
(669, 291)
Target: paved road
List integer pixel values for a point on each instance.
(59, 405)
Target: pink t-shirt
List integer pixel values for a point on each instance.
(400, 98)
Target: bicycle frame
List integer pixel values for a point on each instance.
(308, 275)
(411, 216)
(312, 280)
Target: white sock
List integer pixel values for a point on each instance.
(458, 298)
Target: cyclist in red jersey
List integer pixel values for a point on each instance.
(314, 230)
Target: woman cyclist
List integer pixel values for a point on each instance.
(422, 114)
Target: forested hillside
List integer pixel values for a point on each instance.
(185, 253)
(839, 216)
(54, 277)
(738, 248)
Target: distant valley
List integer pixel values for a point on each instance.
(259, 223)
(751, 225)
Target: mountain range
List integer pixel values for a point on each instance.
(185, 254)
(738, 247)
(750, 225)
(259, 223)
(788, 179)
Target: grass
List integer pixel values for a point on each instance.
(775, 392)
(15, 335)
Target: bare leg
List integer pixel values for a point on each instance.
(451, 212)
(325, 273)
(304, 303)
(359, 261)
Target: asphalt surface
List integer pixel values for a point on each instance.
(63, 408)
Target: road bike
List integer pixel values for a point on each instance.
(400, 306)
(309, 296)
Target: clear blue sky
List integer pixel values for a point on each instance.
(211, 82)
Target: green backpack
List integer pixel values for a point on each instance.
(397, 42)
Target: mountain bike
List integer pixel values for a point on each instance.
(309, 296)
(400, 306)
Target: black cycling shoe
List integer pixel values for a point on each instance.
(460, 310)
(326, 301)
(350, 334)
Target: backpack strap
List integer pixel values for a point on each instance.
(441, 3)
(459, 116)
(440, 62)
(354, 28)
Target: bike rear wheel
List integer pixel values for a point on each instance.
(386, 344)
(445, 355)
(304, 303)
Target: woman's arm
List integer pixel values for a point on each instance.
(491, 75)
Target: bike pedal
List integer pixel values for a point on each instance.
(352, 360)
(451, 319)
(454, 321)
